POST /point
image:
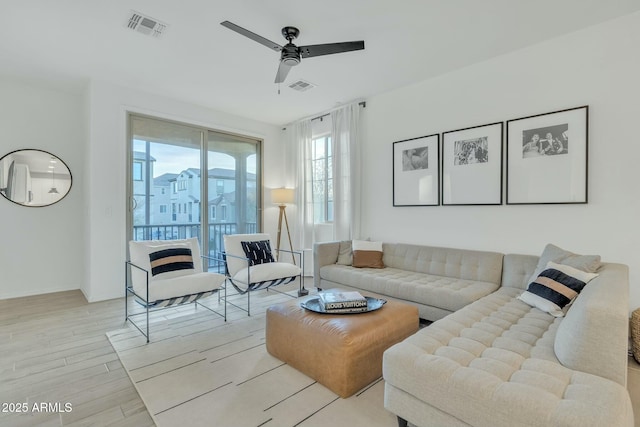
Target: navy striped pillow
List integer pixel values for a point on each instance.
(555, 288)
(172, 259)
(258, 252)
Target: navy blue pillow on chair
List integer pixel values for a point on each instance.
(258, 252)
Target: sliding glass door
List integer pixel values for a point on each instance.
(234, 197)
(169, 195)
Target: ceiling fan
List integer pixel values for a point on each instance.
(290, 54)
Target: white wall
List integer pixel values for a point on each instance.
(106, 170)
(598, 66)
(41, 248)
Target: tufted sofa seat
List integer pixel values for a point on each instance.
(451, 293)
(437, 280)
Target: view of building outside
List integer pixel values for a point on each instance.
(173, 207)
(168, 183)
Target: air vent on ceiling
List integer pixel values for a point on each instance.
(145, 24)
(301, 85)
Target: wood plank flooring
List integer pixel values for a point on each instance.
(54, 351)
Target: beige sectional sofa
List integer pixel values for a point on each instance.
(493, 360)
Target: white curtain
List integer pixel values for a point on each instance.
(345, 134)
(298, 164)
(345, 140)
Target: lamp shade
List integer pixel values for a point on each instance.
(282, 196)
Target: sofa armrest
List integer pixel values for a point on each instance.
(323, 254)
(593, 337)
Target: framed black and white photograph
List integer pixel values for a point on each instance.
(472, 165)
(416, 171)
(547, 158)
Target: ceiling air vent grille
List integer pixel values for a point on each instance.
(145, 24)
(302, 86)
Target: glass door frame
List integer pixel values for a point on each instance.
(204, 181)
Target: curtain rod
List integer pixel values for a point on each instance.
(363, 104)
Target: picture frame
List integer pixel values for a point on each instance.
(472, 165)
(416, 171)
(547, 158)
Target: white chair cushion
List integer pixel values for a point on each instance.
(139, 255)
(233, 246)
(265, 272)
(184, 285)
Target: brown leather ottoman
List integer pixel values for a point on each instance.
(343, 352)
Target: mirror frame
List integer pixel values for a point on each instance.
(3, 189)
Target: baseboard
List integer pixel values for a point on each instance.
(41, 291)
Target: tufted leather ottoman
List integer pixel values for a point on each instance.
(341, 352)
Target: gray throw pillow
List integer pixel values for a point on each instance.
(345, 254)
(552, 253)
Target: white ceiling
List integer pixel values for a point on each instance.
(68, 42)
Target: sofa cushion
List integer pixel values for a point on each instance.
(555, 288)
(456, 263)
(345, 253)
(367, 254)
(588, 263)
(445, 292)
(493, 364)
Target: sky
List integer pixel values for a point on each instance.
(175, 159)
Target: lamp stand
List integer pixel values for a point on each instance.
(283, 213)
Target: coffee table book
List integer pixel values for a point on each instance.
(342, 301)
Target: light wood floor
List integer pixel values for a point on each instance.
(53, 350)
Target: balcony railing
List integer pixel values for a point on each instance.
(185, 231)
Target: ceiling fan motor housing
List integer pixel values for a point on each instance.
(290, 55)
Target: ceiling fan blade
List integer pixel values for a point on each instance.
(283, 70)
(330, 48)
(253, 36)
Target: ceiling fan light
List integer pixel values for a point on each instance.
(291, 62)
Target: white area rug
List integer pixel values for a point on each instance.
(200, 371)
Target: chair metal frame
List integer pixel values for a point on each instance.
(301, 289)
(148, 305)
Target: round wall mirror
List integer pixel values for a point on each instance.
(34, 178)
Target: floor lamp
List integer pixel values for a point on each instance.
(282, 196)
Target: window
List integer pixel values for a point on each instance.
(177, 154)
(223, 216)
(322, 179)
(213, 212)
(137, 171)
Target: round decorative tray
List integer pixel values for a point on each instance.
(313, 304)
